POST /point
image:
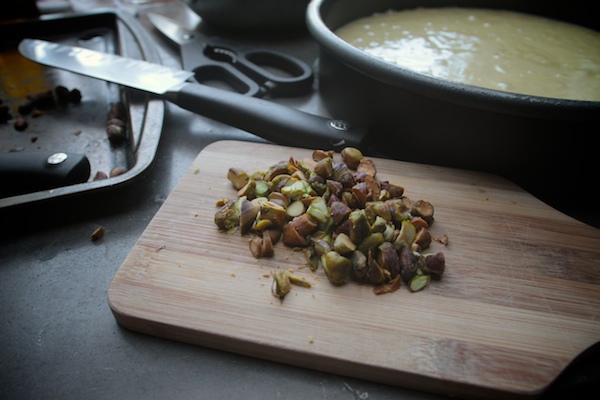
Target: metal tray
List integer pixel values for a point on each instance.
(80, 128)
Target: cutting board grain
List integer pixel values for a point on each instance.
(519, 301)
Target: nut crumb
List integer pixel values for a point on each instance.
(98, 233)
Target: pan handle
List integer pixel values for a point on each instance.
(274, 122)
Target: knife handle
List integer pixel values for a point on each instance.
(274, 122)
(26, 172)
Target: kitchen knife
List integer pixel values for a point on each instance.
(271, 121)
(32, 171)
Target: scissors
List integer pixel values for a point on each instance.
(250, 72)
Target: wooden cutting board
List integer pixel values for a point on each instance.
(520, 298)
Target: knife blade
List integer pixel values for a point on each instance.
(271, 121)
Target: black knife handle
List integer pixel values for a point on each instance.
(274, 122)
(26, 172)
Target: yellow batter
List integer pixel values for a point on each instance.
(495, 49)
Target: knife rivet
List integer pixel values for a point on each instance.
(57, 158)
(339, 125)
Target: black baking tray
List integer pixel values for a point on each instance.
(80, 128)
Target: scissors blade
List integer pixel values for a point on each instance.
(172, 29)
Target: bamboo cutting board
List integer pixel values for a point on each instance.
(520, 298)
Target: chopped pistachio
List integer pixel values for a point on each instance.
(321, 245)
(312, 258)
(318, 210)
(299, 281)
(324, 167)
(359, 226)
(276, 169)
(297, 190)
(248, 212)
(304, 224)
(336, 267)
(295, 208)
(321, 154)
(227, 217)
(423, 238)
(261, 189)
(279, 198)
(358, 260)
(292, 238)
(343, 245)
(419, 282)
(274, 213)
(434, 264)
(407, 235)
(255, 245)
(388, 258)
(408, 264)
(367, 166)
(237, 177)
(281, 283)
(424, 210)
(248, 190)
(370, 242)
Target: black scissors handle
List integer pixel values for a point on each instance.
(253, 72)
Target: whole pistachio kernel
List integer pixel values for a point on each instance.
(351, 157)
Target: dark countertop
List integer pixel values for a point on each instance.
(58, 338)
